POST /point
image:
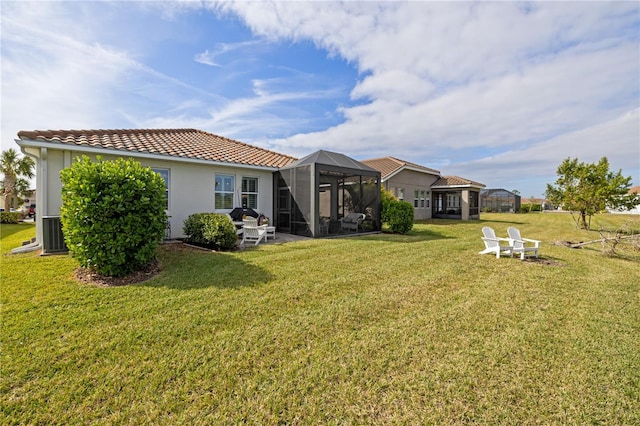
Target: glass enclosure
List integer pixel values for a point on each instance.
(315, 194)
(499, 200)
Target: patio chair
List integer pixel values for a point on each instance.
(250, 221)
(253, 234)
(493, 244)
(351, 222)
(522, 245)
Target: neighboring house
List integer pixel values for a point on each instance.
(499, 200)
(203, 172)
(29, 198)
(407, 181)
(432, 195)
(636, 209)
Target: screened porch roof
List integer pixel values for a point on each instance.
(334, 163)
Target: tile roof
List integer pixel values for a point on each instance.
(455, 181)
(180, 143)
(388, 166)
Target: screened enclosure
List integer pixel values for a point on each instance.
(499, 200)
(317, 194)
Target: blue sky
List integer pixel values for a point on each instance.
(496, 92)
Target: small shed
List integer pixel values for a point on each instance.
(313, 194)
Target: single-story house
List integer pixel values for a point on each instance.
(204, 172)
(432, 195)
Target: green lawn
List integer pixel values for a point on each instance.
(381, 329)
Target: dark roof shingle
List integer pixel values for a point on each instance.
(181, 143)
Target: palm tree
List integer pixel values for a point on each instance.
(16, 170)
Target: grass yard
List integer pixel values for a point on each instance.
(380, 329)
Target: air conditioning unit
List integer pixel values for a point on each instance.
(53, 239)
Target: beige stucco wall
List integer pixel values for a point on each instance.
(411, 181)
(191, 186)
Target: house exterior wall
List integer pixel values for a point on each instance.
(191, 185)
(412, 181)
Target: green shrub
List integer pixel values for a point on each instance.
(113, 214)
(398, 215)
(210, 230)
(9, 217)
(386, 198)
(526, 208)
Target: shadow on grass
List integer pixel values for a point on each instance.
(413, 236)
(510, 222)
(185, 268)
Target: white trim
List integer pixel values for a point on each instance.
(467, 186)
(104, 151)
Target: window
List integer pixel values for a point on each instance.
(399, 193)
(164, 173)
(416, 198)
(422, 197)
(250, 192)
(225, 185)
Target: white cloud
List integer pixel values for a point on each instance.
(535, 165)
(462, 78)
(209, 58)
(458, 86)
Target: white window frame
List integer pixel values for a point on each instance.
(167, 181)
(224, 191)
(247, 193)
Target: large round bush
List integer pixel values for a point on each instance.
(398, 215)
(113, 214)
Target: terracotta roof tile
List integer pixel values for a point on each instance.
(387, 166)
(181, 143)
(455, 181)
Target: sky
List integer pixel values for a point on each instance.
(496, 92)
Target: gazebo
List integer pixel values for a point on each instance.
(313, 194)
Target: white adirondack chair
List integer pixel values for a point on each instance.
(494, 244)
(522, 245)
(253, 234)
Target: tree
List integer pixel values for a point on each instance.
(589, 189)
(16, 170)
